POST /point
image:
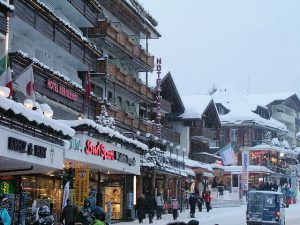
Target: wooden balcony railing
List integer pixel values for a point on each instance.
(139, 124)
(89, 9)
(170, 135)
(44, 21)
(133, 84)
(104, 28)
(203, 131)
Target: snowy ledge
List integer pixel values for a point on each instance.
(56, 73)
(36, 116)
(197, 164)
(265, 147)
(104, 130)
(7, 6)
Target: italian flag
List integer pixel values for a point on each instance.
(5, 73)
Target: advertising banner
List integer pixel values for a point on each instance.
(66, 194)
(245, 170)
(81, 185)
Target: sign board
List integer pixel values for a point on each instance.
(245, 170)
(81, 185)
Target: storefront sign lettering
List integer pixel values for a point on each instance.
(125, 159)
(245, 170)
(21, 146)
(158, 98)
(75, 144)
(61, 90)
(99, 150)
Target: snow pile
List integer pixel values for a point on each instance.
(6, 5)
(252, 168)
(197, 164)
(195, 106)
(241, 110)
(35, 116)
(104, 130)
(56, 73)
(159, 161)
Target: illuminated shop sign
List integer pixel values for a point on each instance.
(61, 90)
(21, 146)
(100, 150)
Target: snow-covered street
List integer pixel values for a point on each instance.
(224, 216)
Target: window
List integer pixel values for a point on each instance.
(110, 96)
(233, 134)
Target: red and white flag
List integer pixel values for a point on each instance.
(6, 80)
(26, 83)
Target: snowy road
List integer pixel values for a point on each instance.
(224, 216)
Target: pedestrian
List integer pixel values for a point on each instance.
(175, 207)
(199, 202)
(85, 214)
(69, 213)
(207, 199)
(159, 205)
(150, 206)
(193, 222)
(141, 208)
(99, 216)
(192, 202)
(4, 215)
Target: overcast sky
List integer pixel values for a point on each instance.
(253, 44)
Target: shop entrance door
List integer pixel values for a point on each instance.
(114, 195)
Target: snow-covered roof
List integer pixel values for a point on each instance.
(205, 174)
(104, 130)
(36, 116)
(252, 168)
(195, 106)
(196, 164)
(241, 110)
(7, 6)
(264, 99)
(266, 147)
(189, 171)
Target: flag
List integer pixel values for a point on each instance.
(88, 86)
(5, 74)
(26, 83)
(66, 194)
(227, 155)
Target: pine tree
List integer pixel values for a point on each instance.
(104, 119)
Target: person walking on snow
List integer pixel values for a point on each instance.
(141, 208)
(175, 206)
(159, 205)
(193, 201)
(4, 215)
(207, 200)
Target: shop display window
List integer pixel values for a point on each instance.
(114, 196)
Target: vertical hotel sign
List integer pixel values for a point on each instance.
(158, 97)
(245, 170)
(81, 185)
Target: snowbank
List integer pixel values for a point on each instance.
(7, 6)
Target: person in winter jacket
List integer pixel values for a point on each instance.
(70, 213)
(150, 206)
(175, 207)
(4, 215)
(141, 208)
(159, 205)
(193, 202)
(207, 200)
(85, 214)
(99, 216)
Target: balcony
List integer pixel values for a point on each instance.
(133, 122)
(124, 43)
(89, 9)
(126, 81)
(203, 132)
(48, 24)
(170, 135)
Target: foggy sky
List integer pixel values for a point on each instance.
(253, 44)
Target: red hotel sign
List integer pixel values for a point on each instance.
(61, 90)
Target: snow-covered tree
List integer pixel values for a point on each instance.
(104, 119)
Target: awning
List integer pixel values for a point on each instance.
(205, 174)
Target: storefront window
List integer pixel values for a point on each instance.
(114, 196)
